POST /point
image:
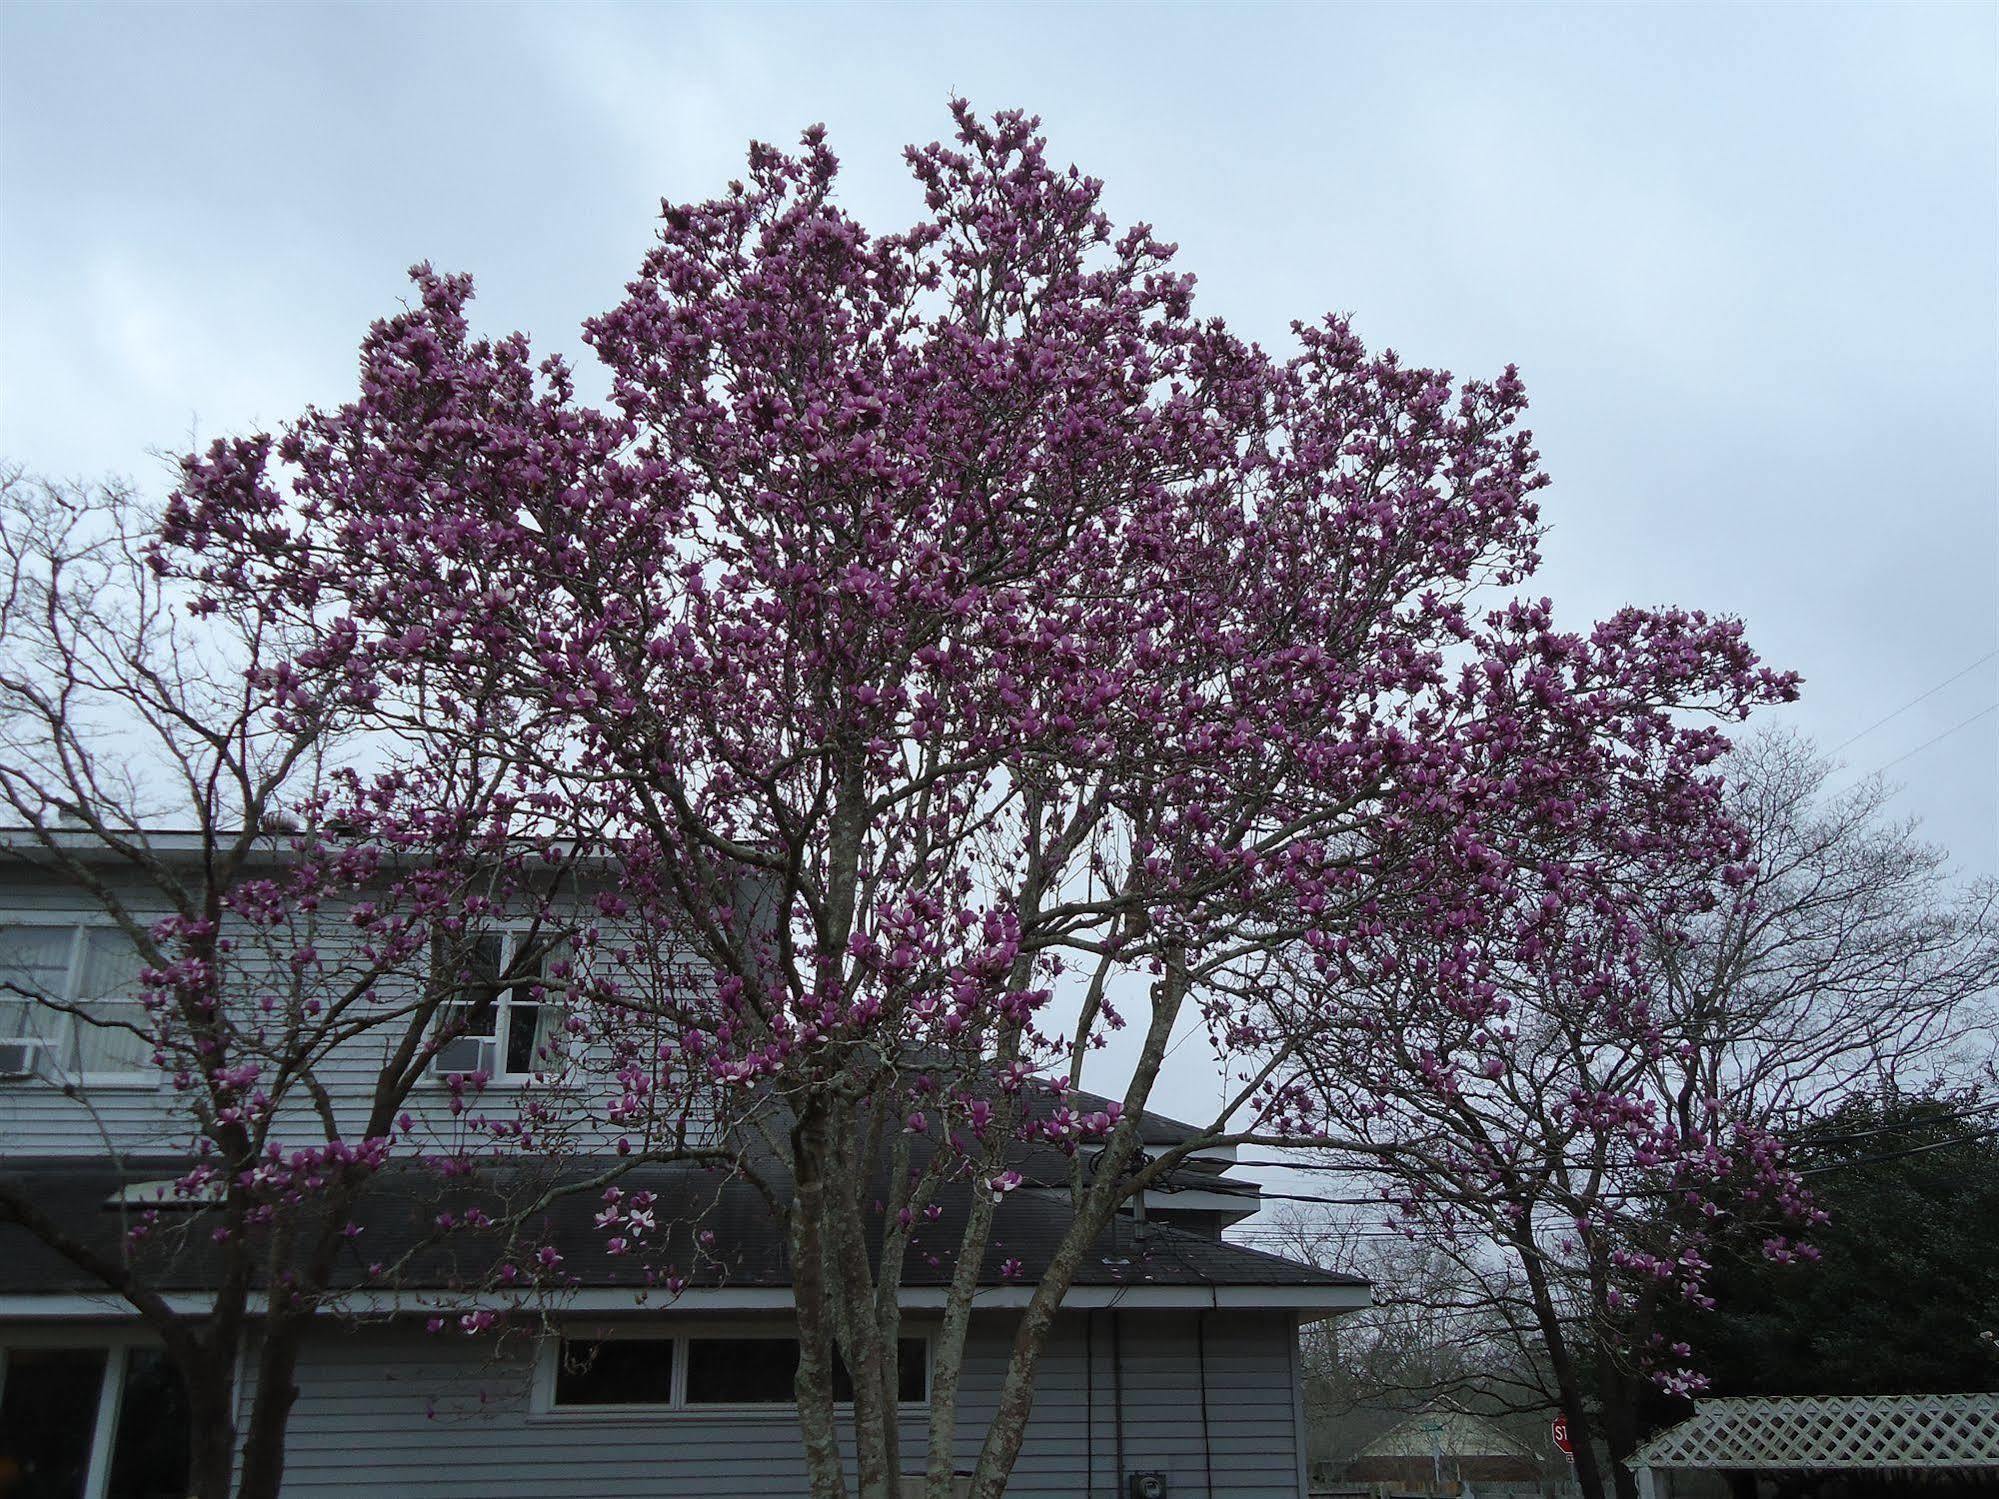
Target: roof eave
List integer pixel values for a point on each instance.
(1311, 1302)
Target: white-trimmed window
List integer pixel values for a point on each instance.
(503, 1021)
(69, 993)
(98, 1423)
(612, 1372)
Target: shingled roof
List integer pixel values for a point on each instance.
(398, 1217)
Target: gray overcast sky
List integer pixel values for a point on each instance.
(1748, 259)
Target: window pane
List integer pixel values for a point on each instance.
(532, 1025)
(149, 1457)
(111, 965)
(488, 958)
(122, 1043)
(46, 1419)
(741, 1371)
(469, 1020)
(762, 1371)
(534, 1036)
(614, 1371)
(522, 1023)
(109, 990)
(34, 958)
(912, 1374)
(471, 969)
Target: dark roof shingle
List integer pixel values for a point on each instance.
(709, 1230)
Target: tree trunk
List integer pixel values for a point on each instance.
(270, 1408)
(948, 1354)
(1568, 1383)
(1016, 1399)
(813, 1387)
(854, 1312)
(211, 1429)
(1094, 1209)
(1620, 1426)
(1617, 1389)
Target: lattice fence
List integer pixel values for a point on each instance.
(1834, 1431)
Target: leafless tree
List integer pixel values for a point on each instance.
(1855, 960)
(263, 893)
(1850, 959)
(1444, 1329)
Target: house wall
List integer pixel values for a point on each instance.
(394, 1411)
(43, 1117)
(388, 1409)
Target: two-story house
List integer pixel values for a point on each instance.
(1173, 1370)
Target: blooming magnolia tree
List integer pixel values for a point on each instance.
(286, 935)
(972, 650)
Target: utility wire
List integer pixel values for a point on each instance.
(1809, 1137)
(1896, 1155)
(1819, 1170)
(1798, 1139)
(1914, 701)
(1967, 723)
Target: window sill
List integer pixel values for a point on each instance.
(121, 1082)
(509, 1084)
(90, 1082)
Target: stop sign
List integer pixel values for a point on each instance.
(1561, 1431)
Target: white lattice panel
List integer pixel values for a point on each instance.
(1833, 1431)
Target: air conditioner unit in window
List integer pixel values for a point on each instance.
(465, 1054)
(22, 1057)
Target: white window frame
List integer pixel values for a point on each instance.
(117, 1346)
(542, 1406)
(64, 1029)
(503, 1020)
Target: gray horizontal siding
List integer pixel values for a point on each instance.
(393, 1411)
(38, 1118)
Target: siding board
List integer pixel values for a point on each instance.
(391, 1410)
(39, 1119)
(388, 1410)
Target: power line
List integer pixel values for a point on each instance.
(1896, 1155)
(1915, 701)
(1804, 1138)
(1819, 1170)
(1967, 723)
(1810, 1137)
